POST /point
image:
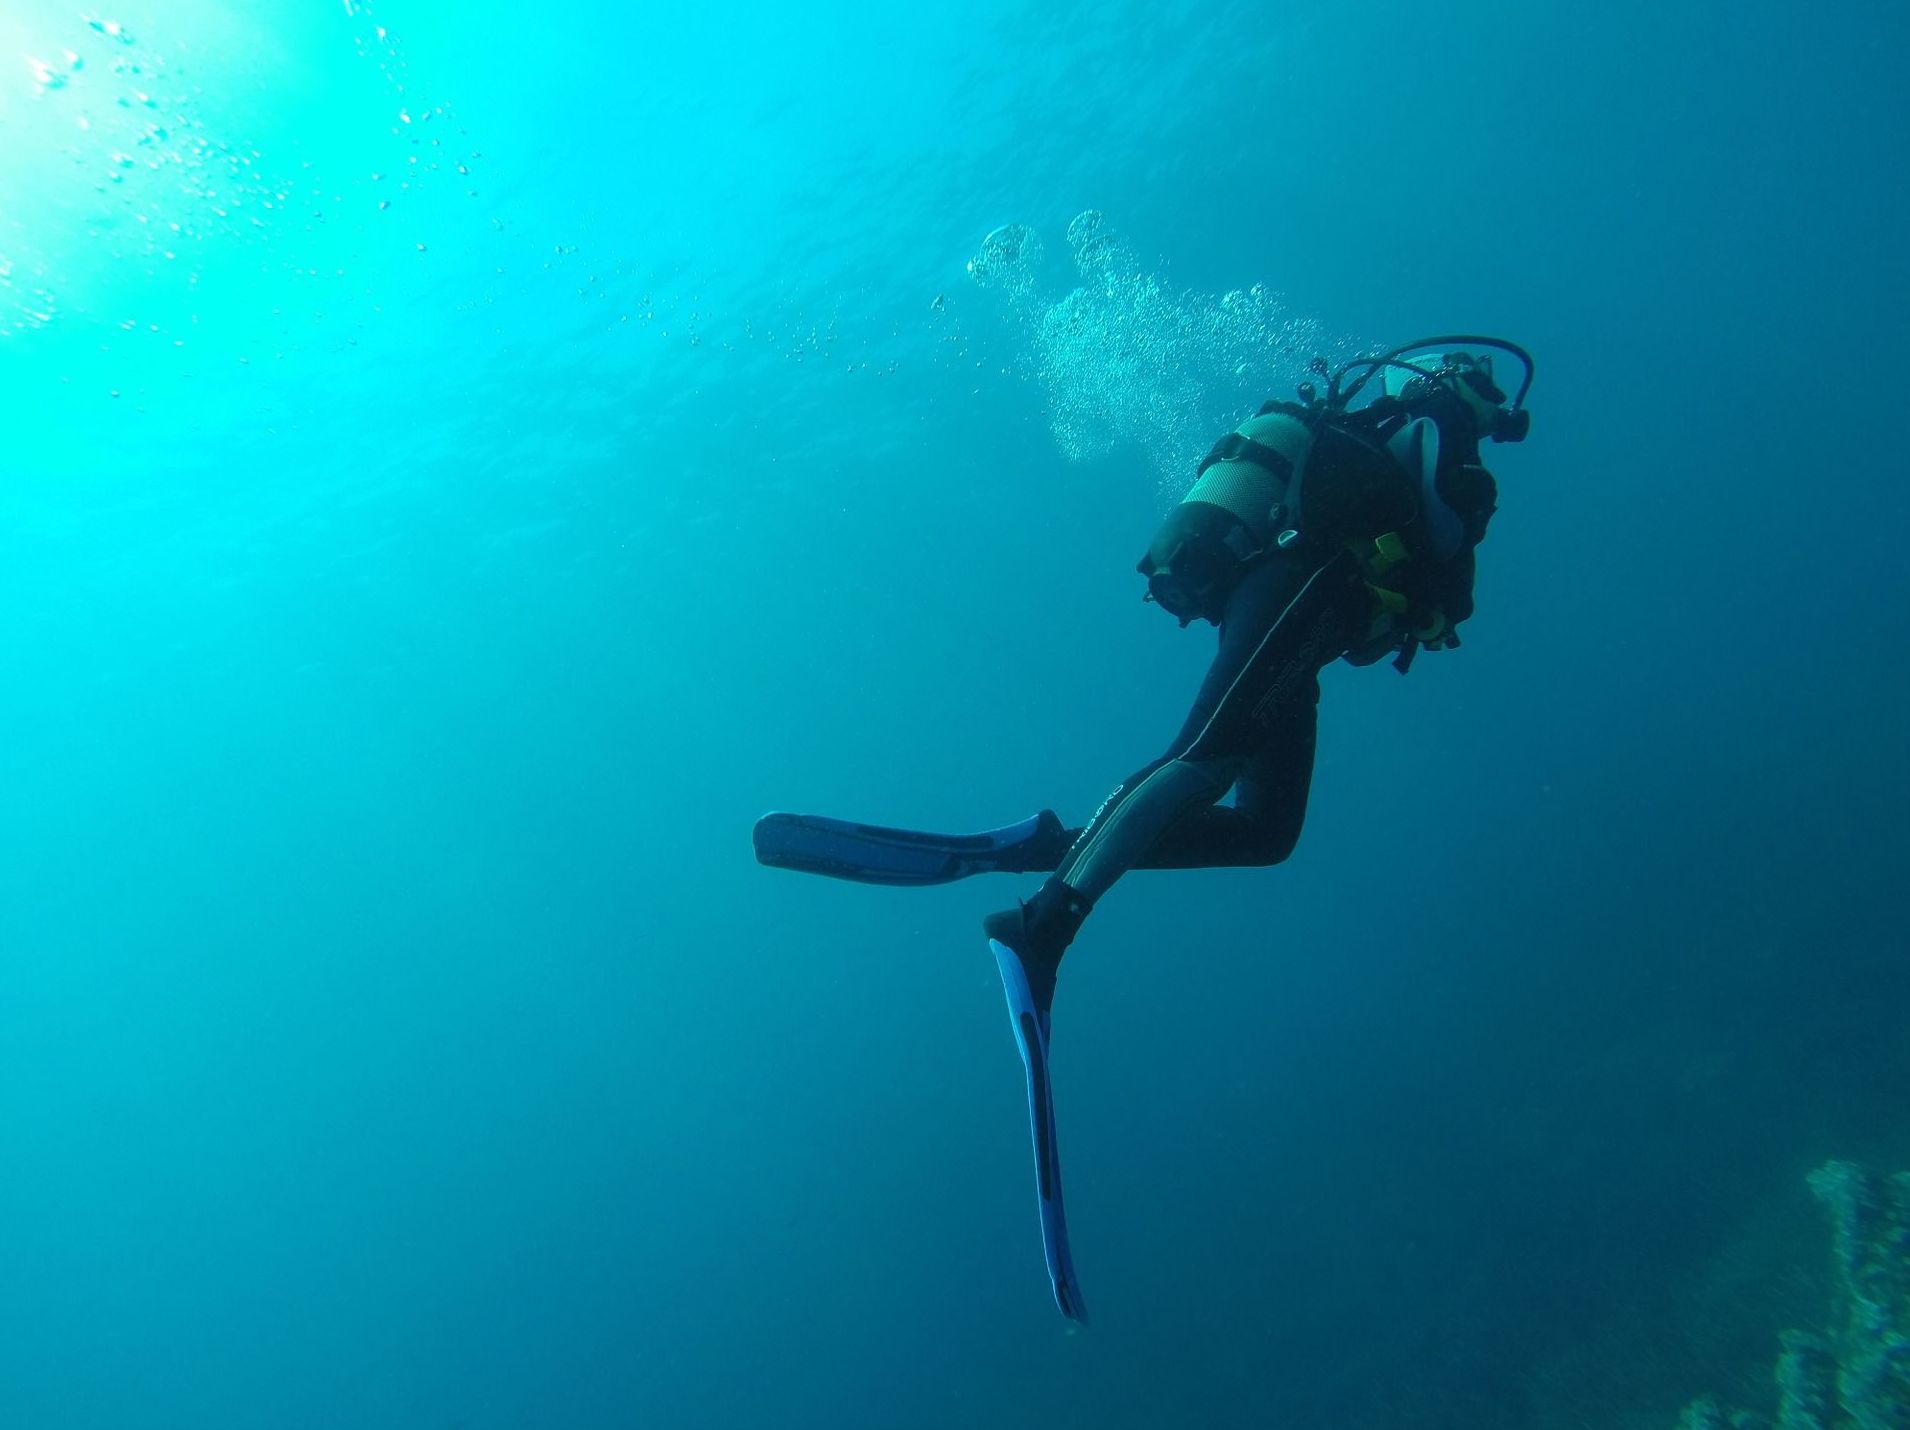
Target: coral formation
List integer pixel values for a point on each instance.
(1854, 1375)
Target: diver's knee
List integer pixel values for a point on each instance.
(1273, 844)
(1274, 852)
(1205, 780)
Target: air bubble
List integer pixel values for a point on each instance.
(45, 75)
(1127, 362)
(1008, 259)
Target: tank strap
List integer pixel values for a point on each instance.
(1237, 448)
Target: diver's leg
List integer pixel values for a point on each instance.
(1283, 623)
(1253, 723)
(1270, 800)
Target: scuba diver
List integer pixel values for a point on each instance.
(1321, 529)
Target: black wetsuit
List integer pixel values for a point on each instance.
(1251, 729)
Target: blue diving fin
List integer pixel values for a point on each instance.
(873, 854)
(1030, 1017)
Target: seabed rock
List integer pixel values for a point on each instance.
(1855, 1375)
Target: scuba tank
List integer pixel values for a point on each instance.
(1395, 478)
(1236, 510)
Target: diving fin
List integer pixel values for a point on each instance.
(1030, 1016)
(873, 854)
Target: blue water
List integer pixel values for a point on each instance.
(465, 462)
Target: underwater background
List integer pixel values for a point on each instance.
(464, 463)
